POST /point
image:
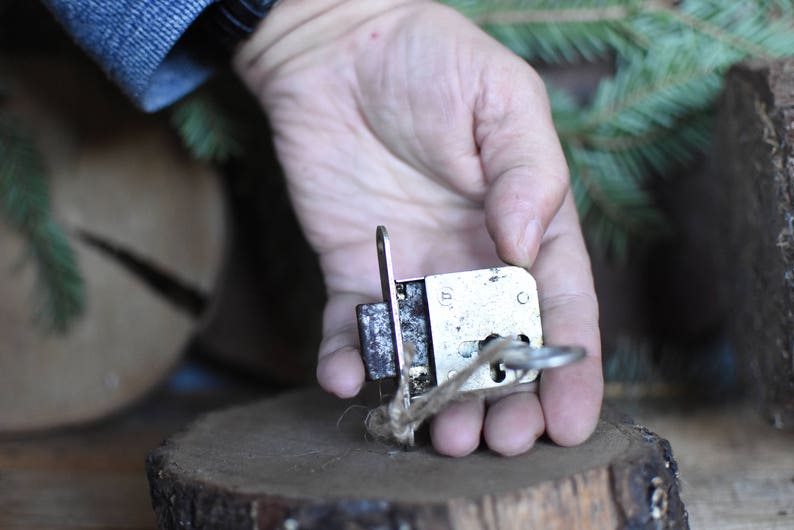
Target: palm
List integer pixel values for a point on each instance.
(385, 126)
(362, 155)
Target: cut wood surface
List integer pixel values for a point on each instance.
(303, 461)
(121, 178)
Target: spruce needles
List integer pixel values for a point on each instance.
(654, 114)
(207, 129)
(59, 296)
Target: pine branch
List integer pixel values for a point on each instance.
(740, 25)
(555, 31)
(59, 296)
(654, 114)
(548, 15)
(614, 209)
(649, 95)
(206, 129)
(777, 9)
(702, 25)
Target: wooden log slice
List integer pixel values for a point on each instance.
(302, 461)
(120, 178)
(755, 238)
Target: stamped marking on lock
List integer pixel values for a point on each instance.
(445, 296)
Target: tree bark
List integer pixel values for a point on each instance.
(756, 233)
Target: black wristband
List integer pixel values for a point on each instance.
(234, 20)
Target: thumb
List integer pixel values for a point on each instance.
(522, 160)
(340, 369)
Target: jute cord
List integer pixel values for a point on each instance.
(392, 422)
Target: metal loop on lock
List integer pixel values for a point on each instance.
(518, 355)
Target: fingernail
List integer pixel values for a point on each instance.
(528, 243)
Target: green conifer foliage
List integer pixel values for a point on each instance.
(654, 114)
(207, 128)
(650, 117)
(59, 296)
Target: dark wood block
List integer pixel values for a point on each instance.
(302, 461)
(755, 238)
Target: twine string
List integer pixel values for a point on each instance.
(392, 422)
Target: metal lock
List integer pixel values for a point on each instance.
(449, 318)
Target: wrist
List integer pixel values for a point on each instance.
(296, 28)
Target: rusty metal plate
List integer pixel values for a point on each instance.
(467, 308)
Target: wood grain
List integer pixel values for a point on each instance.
(302, 461)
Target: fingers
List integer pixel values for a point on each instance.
(456, 430)
(571, 398)
(522, 160)
(340, 370)
(570, 395)
(514, 423)
(511, 427)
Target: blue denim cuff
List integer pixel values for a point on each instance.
(136, 42)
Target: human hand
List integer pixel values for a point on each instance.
(403, 113)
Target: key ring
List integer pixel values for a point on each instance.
(518, 355)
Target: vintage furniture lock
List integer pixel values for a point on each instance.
(449, 318)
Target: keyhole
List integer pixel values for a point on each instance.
(498, 373)
(484, 342)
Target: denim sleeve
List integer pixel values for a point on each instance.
(136, 43)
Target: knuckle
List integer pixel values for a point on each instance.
(583, 303)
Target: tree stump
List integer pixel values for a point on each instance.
(302, 461)
(755, 241)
